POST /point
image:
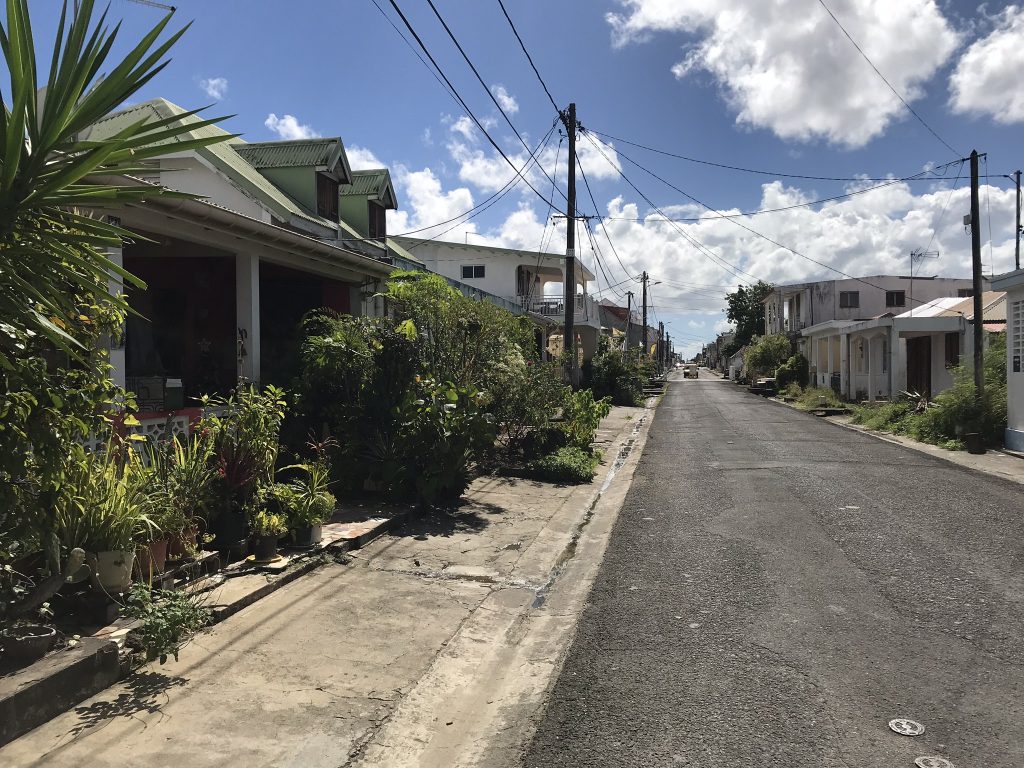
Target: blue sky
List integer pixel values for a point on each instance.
(775, 86)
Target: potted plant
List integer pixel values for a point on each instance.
(267, 527)
(306, 502)
(106, 507)
(22, 640)
(167, 618)
(182, 467)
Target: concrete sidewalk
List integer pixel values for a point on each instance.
(337, 667)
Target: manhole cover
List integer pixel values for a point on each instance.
(933, 762)
(906, 727)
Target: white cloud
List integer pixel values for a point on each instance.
(361, 158)
(986, 80)
(289, 127)
(505, 99)
(215, 87)
(465, 128)
(786, 65)
(425, 203)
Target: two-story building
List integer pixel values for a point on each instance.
(1013, 284)
(521, 278)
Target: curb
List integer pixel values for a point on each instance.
(53, 685)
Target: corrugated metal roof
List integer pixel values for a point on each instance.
(993, 304)
(375, 183)
(223, 155)
(299, 153)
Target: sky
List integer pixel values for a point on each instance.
(774, 86)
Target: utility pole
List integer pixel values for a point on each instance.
(668, 351)
(1016, 253)
(979, 353)
(569, 120)
(629, 317)
(644, 332)
(661, 347)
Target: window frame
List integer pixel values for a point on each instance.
(477, 271)
(896, 298)
(327, 191)
(845, 299)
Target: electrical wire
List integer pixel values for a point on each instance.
(593, 201)
(529, 57)
(942, 214)
(740, 224)
(547, 220)
(988, 213)
(483, 83)
(891, 88)
(462, 101)
(755, 171)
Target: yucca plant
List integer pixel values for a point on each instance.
(50, 249)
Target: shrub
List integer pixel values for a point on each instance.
(897, 416)
(582, 416)
(611, 374)
(168, 618)
(796, 370)
(566, 465)
(817, 397)
(766, 353)
(523, 397)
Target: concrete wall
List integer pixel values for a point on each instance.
(1015, 367)
(188, 173)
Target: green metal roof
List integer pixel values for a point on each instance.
(374, 183)
(224, 156)
(299, 153)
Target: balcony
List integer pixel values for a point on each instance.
(586, 310)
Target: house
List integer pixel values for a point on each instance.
(230, 275)
(617, 322)
(518, 278)
(791, 308)
(914, 351)
(734, 365)
(1013, 284)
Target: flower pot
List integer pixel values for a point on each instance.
(975, 443)
(25, 644)
(308, 537)
(183, 542)
(112, 570)
(230, 530)
(265, 549)
(152, 559)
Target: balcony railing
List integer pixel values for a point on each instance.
(585, 310)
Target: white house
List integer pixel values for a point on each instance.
(519, 277)
(1013, 284)
(915, 350)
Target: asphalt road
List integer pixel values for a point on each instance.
(778, 588)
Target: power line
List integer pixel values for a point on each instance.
(462, 101)
(935, 228)
(744, 226)
(597, 210)
(686, 236)
(740, 168)
(483, 83)
(529, 57)
(891, 88)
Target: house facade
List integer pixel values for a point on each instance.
(1013, 284)
(229, 275)
(517, 277)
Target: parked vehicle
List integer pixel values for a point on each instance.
(691, 371)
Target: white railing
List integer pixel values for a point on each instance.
(585, 310)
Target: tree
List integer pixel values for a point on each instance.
(746, 312)
(55, 301)
(766, 353)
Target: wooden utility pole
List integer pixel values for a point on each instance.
(644, 332)
(661, 347)
(979, 328)
(569, 120)
(629, 317)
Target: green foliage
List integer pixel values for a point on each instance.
(107, 502)
(265, 523)
(566, 465)
(745, 311)
(523, 397)
(183, 469)
(581, 416)
(167, 617)
(896, 416)
(796, 370)
(612, 374)
(244, 429)
(306, 501)
(818, 397)
(766, 353)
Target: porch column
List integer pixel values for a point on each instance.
(844, 364)
(247, 312)
(871, 369)
(116, 286)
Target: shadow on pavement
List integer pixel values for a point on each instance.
(146, 693)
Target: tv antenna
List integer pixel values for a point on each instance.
(918, 254)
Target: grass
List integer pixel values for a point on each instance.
(814, 397)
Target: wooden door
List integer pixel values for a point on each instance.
(919, 365)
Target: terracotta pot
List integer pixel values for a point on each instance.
(112, 571)
(152, 559)
(181, 543)
(25, 644)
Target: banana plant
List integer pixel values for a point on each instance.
(52, 249)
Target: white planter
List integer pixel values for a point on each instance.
(112, 571)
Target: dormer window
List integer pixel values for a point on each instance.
(378, 220)
(327, 197)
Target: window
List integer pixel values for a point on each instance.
(895, 298)
(952, 350)
(378, 221)
(474, 272)
(1015, 327)
(964, 293)
(327, 197)
(849, 299)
